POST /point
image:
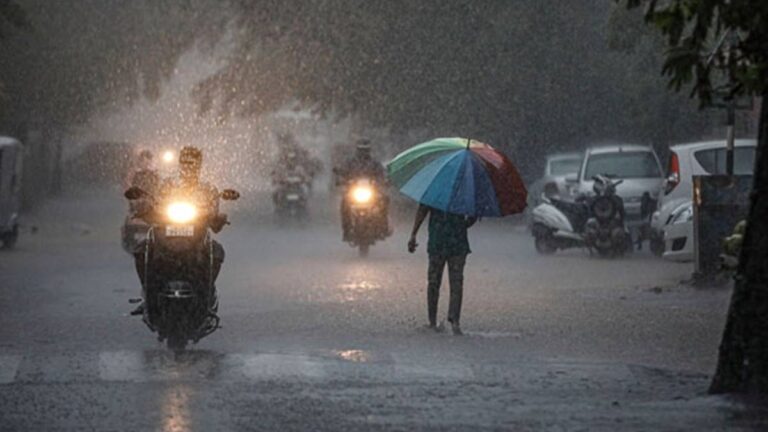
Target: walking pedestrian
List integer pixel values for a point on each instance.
(447, 244)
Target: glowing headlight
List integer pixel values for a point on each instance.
(362, 194)
(169, 156)
(181, 212)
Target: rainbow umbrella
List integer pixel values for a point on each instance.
(461, 176)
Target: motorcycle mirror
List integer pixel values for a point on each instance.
(230, 194)
(134, 193)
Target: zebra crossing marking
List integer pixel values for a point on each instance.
(161, 365)
(121, 366)
(266, 366)
(9, 364)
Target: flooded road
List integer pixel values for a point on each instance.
(311, 332)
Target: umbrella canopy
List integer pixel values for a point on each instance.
(461, 176)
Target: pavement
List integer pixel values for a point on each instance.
(316, 338)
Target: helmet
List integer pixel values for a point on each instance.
(190, 156)
(145, 155)
(190, 162)
(363, 147)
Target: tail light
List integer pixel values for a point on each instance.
(673, 174)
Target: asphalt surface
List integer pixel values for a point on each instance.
(316, 338)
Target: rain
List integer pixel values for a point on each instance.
(332, 215)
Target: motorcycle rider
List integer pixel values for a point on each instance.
(362, 164)
(293, 157)
(290, 166)
(145, 174)
(188, 183)
(146, 178)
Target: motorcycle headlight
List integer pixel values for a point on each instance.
(169, 156)
(181, 212)
(362, 194)
(683, 215)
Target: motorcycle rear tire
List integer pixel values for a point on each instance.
(176, 342)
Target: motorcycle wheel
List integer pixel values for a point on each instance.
(544, 245)
(176, 342)
(363, 250)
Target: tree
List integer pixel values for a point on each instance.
(721, 47)
(531, 74)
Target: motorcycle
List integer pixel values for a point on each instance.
(291, 197)
(368, 218)
(596, 223)
(178, 287)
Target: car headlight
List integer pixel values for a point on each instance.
(181, 212)
(683, 214)
(362, 194)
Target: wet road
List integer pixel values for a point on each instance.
(315, 338)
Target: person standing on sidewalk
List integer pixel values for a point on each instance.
(448, 244)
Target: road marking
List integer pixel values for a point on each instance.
(121, 366)
(410, 368)
(56, 367)
(269, 366)
(9, 364)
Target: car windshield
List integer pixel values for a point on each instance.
(640, 164)
(564, 166)
(713, 160)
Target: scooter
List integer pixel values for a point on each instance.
(367, 214)
(596, 223)
(178, 283)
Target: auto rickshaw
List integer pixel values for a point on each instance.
(11, 156)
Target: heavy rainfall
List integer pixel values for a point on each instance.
(325, 215)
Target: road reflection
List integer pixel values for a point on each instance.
(175, 408)
(361, 283)
(355, 356)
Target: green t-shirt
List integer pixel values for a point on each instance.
(447, 234)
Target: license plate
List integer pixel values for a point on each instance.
(180, 230)
(292, 197)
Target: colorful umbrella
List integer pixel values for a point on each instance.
(461, 176)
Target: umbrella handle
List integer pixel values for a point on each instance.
(469, 140)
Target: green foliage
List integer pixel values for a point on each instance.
(720, 46)
(11, 14)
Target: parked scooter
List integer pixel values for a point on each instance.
(595, 222)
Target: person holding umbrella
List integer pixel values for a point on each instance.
(448, 244)
(456, 181)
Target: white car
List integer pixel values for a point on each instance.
(672, 222)
(638, 167)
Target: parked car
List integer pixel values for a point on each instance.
(11, 156)
(638, 167)
(672, 222)
(557, 167)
